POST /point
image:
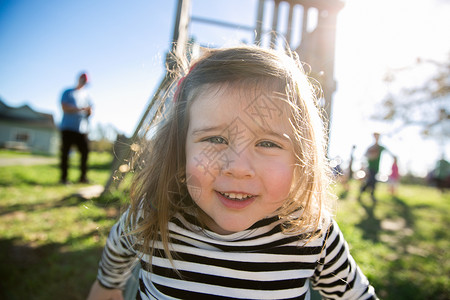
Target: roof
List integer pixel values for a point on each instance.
(26, 115)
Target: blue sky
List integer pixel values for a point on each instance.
(122, 44)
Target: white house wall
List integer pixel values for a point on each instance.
(41, 140)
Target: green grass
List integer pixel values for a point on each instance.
(51, 239)
(400, 242)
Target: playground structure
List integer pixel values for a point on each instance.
(316, 47)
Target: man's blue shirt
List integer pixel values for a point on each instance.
(77, 121)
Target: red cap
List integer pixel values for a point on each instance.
(84, 76)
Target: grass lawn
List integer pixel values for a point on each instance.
(400, 242)
(51, 239)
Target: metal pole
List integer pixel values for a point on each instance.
(178, 48)
(259, 23)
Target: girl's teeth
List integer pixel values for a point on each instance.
(236, 196)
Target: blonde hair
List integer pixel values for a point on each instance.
(159, 190)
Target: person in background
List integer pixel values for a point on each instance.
(441, 174)
(394, 178)
(232, 198)
(373, 156)
(77, 108)
(349, 172)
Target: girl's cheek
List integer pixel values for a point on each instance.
(204, 164)
(281, 179)
(194, 186)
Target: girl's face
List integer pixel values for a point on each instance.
(239, 156)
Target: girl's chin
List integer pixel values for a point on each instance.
(226, 229)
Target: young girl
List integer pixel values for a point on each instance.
(394, 178)
(233, 202)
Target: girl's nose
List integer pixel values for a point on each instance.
(238, 165)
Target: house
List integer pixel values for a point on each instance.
(23, 128)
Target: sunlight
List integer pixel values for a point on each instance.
(395, 33)
(374, 37)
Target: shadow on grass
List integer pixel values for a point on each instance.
(401, 282)
(49, 271)
(370, 225)
(407, 275)
(72, 200)
(109, 201)
(404, 211)
(48, 175)
(54, 270)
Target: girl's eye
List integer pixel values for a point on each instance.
(267, 144)
(216, 140)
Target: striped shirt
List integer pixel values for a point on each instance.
(259, 263)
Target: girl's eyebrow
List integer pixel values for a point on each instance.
(202, 130)
(279, 135)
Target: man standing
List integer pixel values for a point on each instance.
(77, 108)
(373, 155)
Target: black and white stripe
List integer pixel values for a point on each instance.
(259, 263)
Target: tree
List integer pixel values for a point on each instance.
(419, 95)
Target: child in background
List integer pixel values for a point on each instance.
(394, 178)
(233, 199)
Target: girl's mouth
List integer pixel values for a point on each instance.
(236, 201)
(236, 196)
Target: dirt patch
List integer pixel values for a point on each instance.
(91, 191)
(27, 161)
